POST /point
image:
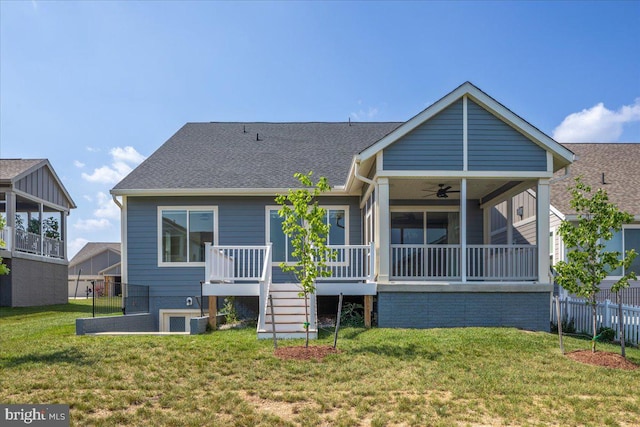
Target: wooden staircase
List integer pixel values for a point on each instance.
(288, 313)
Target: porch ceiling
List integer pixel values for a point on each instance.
(425, 189)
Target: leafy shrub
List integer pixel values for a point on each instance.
(352, 315)
(229, 310)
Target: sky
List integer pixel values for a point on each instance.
(96, 87)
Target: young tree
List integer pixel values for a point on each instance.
(3, 268)
(588, 263)
(305, 224)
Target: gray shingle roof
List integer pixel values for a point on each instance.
(11, 168)
(92, 249)
(620, 164)
(227, 155)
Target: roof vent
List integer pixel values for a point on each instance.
(603, 181)
(258, 137)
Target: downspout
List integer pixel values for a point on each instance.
(567, 174)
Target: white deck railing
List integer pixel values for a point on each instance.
(34, 244)
(5, 236)
(352, 262)
(236, 263)
(502, 262)
(484, 262)
(425, 261)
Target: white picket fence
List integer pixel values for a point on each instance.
(576, 310)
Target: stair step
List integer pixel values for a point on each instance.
(267, 335)
(286, 309)
(286, 327)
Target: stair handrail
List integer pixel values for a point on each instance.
(265, 285)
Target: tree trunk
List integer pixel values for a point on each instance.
(306, 319)
(594, 318)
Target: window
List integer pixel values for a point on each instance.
(182, 233)
(337, 217)
(628, 238)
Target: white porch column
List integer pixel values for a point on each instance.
(382, 226)
(463, 230)
(543, 203)
(510, 221)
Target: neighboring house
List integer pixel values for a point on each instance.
(96, 262)
(410, 211)
(35, 205)
(610, 166)
(616, 169)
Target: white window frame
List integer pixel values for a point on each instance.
(189, 208)
(164, 316)
(621, 248)
(270, 208)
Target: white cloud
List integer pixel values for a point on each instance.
(74, 246)
(92, 224)
(78, 164)
(362, 115)
(93, 149)
(597, 124)
(124, 160)
(106, 207)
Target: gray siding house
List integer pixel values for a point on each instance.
(610, 166)
(96, 262)
(35, 206)
(410, 213)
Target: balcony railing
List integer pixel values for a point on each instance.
(484, 262)
(236, 263)
(247, 263)
(352, 263)
(24, 241)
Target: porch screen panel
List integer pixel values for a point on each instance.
(407, 229)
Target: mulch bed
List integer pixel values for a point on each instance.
(602, 358)
(305, 353)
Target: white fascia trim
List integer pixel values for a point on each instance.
(414, 122)
(45, 162)
(485, 101)
(463, 174)
(338, 190)
(40, 201)
(520, 124)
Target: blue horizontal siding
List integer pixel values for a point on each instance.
(434, 145)
(241, 221)
(493, 145)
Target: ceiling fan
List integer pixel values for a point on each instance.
(441, 192)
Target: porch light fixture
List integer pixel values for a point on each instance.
(520, 211)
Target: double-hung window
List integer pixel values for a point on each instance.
(182, 233)
(337, 218)
(628, 238)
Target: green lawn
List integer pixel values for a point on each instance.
(439, 377)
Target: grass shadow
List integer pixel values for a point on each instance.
(59, 308)
(402, 352)
(69, 356)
